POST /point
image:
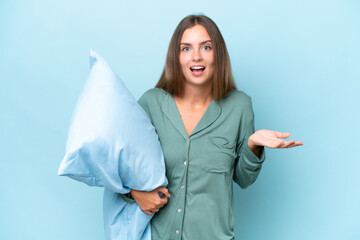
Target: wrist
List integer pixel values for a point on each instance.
(256, 149)
(251, 143)
(127, 198)
(130, 194)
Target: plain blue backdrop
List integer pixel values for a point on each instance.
(299, 60)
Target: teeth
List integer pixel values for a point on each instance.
(197, 68)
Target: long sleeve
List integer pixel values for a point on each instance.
(247, 164)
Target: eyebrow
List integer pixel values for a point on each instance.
(202, 43)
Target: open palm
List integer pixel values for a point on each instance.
(272, 139)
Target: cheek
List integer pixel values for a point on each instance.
(183, 65)
(211, 59)
(211, 62)
(183, 60)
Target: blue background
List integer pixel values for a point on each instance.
(299, 60)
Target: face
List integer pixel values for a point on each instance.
(197, 56)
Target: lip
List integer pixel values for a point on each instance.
(197, 73)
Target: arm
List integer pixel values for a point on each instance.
(252, 153)
(249, 158)
(151, 202)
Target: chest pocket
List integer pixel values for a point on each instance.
(219, 155)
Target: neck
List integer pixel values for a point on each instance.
(196, 95)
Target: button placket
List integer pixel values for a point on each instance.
(181, 209)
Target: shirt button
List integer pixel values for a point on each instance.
(177, 231)
(182, 186)
(179, 210)
(185, 163)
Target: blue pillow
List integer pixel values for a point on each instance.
(112, 144)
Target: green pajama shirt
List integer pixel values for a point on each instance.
(201, 167)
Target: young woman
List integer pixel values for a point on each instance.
(206, 130)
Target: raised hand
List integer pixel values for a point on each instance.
(271, 139)
(151, 202)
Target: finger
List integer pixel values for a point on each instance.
(163, 201)
(148, 212)
(154, 210)
(291, 145)
(280, 144)
(282, 134)
(160, 206)
(164, 191)
(287, 144)
(297, 144)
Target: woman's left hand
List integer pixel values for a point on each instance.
(271, 139)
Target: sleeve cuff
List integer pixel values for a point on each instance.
(252, 157)
(127, 198)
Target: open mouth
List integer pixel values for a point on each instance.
(197, 69)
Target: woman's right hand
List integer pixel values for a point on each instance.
(151, 202)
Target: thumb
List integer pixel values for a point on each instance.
(164, 191)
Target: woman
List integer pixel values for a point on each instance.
(206, 130)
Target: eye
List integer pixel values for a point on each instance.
(185, 49)
(206, 47)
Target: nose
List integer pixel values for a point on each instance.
(197, 56)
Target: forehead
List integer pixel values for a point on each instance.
(195, 34)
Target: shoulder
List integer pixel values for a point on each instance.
(152, 98)
(153, 94)
(237, 100)
(237, 106)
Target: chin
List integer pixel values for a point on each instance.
(198, 82)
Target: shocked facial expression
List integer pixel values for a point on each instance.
(197, 56)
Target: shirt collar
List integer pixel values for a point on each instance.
(171, 111)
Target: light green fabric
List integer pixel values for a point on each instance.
(200, 167)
